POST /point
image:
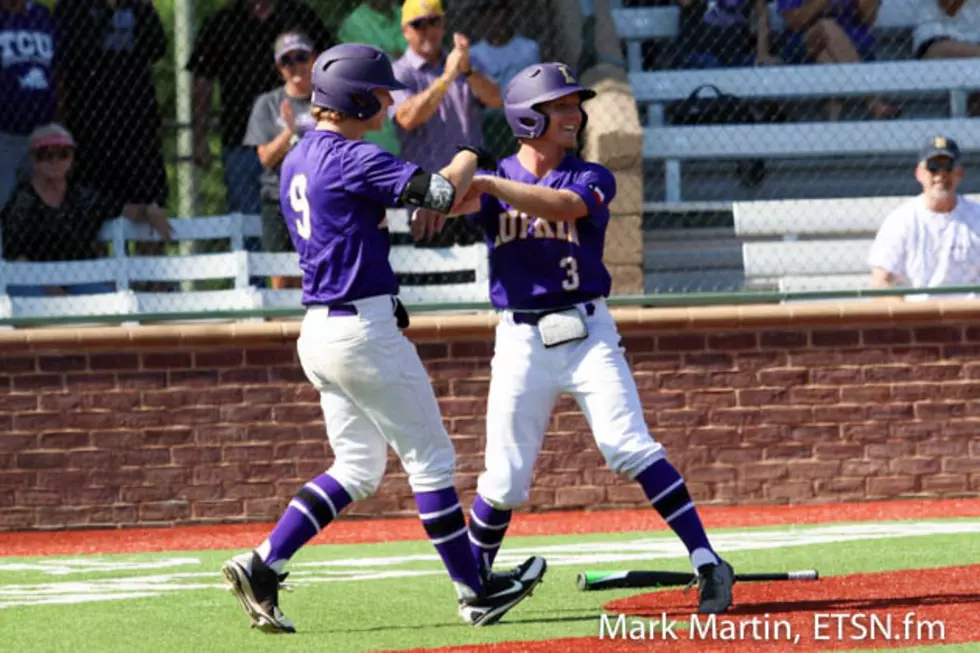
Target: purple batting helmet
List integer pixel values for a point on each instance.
(533, 86)
(345, 76)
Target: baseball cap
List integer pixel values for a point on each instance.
(291, 42)
(414, 10)
(940, 146)
(50, 135)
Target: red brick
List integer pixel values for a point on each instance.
(566, 421)
(291, 374)
(17, 364)
(19, 442)
(735, 416)
(167, 437)
(784, 377)
(301, 413)
(63, 363)
(469, 388)
(61, 479)
(93, 459)
(471, 349)
(975, 448)
(142, 419)
(914, 355)
(194, 416)
(968, 352)
(116, 401)
(784, 339)
(838, 451)
(763, 471)
(886, 336)
(61, 401)
(113, 361)
(890, 450)
(840, 485)
(17, 518)
(683, 380)
(930, 411)
(249, 490)
(810, 469)
(32, 497)
(90, 381)
(156, 456)
(219, 510)
(835, 338)
(710, 360)
(914, 466)
(245, 414)
(731, 341)
(938, 372)
(938, 334)
(14, 403)
(738, 456)
(629, 494)
(913, 431)
(961, 465)
(208, 474)
(814, 396)
(960, 390)
(114, 439)
(219, 358)
(887, 412)
(637, 343)
(41, 459)
(237, 453)
(888, 373)
(790, 415)
(166, 360)
(975, 482)
(837, 375)
(712, 399)
(141, 380)
(262, 394)
(39, 421)
(788, 450)
(192, 378)
(864, 468)
(164, 511)
(149, 493)
(869, 432)
(912, 392)
(582, 497)
(270, 357)
(244, 376)
(271, 471)
(195, 454)
(675, 343)
(710, 474)
(686, 417)
(38, 382)
(945, 483)
(865, 394)
(714, 436)
(64, 440)
(940, 448)
(760, 360)
(890, 486)
(789, 491)
(839, 414)
(733, 380)
(763, 397)
(654, 362)
(654, 401)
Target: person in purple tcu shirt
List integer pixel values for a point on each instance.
(374, 390)
(545, 213)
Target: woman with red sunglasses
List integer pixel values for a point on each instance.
(50, 217)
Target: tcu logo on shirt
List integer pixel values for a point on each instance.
(515, 225)
(22, 46)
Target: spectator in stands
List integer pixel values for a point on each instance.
(279, 119)
(501, 54)
(719, 34)
(378, 23)
(834, 31)
(948, 29)
(51, 217)
(233, 49)
(107, 49)
(934, 239)
(441, 108)
(27, 82)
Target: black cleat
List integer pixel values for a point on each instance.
(502, 592)
(715, 587)
(257, 588)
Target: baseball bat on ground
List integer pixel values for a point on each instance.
(589, 581)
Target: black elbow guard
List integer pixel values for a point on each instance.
(429, 191)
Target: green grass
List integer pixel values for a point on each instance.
(397, 613)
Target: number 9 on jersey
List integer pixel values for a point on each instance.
(299, 204)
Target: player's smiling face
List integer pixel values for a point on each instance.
(564, 120)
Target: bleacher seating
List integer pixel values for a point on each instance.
(235, 265)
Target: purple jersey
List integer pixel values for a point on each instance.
(27, 54)
(536, 264)
(333, 195)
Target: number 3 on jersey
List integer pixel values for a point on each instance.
(570, 266)
(299, 204)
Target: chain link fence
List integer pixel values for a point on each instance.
(758, 147)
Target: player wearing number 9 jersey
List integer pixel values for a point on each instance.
(373, 388)
(545, 213)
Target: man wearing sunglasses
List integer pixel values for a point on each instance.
(933, 240)
(440, 109)
(279, 119)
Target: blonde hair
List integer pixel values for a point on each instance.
(321, 113)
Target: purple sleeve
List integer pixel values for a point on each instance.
(785, 5)
(377, 174)
(597, 188)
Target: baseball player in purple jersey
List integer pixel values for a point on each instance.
(373, 388)
(545, 213)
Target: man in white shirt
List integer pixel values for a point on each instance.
(932, 240)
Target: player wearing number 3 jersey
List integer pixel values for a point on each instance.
(373, 388)
(545, 214)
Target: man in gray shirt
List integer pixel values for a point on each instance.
(279, 119)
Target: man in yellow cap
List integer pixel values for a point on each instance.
(441, 109)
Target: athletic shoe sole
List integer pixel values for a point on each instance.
(241, 587)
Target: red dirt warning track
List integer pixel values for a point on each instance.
(237, 536)
(950, 596)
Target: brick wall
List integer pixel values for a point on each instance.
(222, 432)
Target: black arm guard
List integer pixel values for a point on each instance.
(484, 160)
(429, 191)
